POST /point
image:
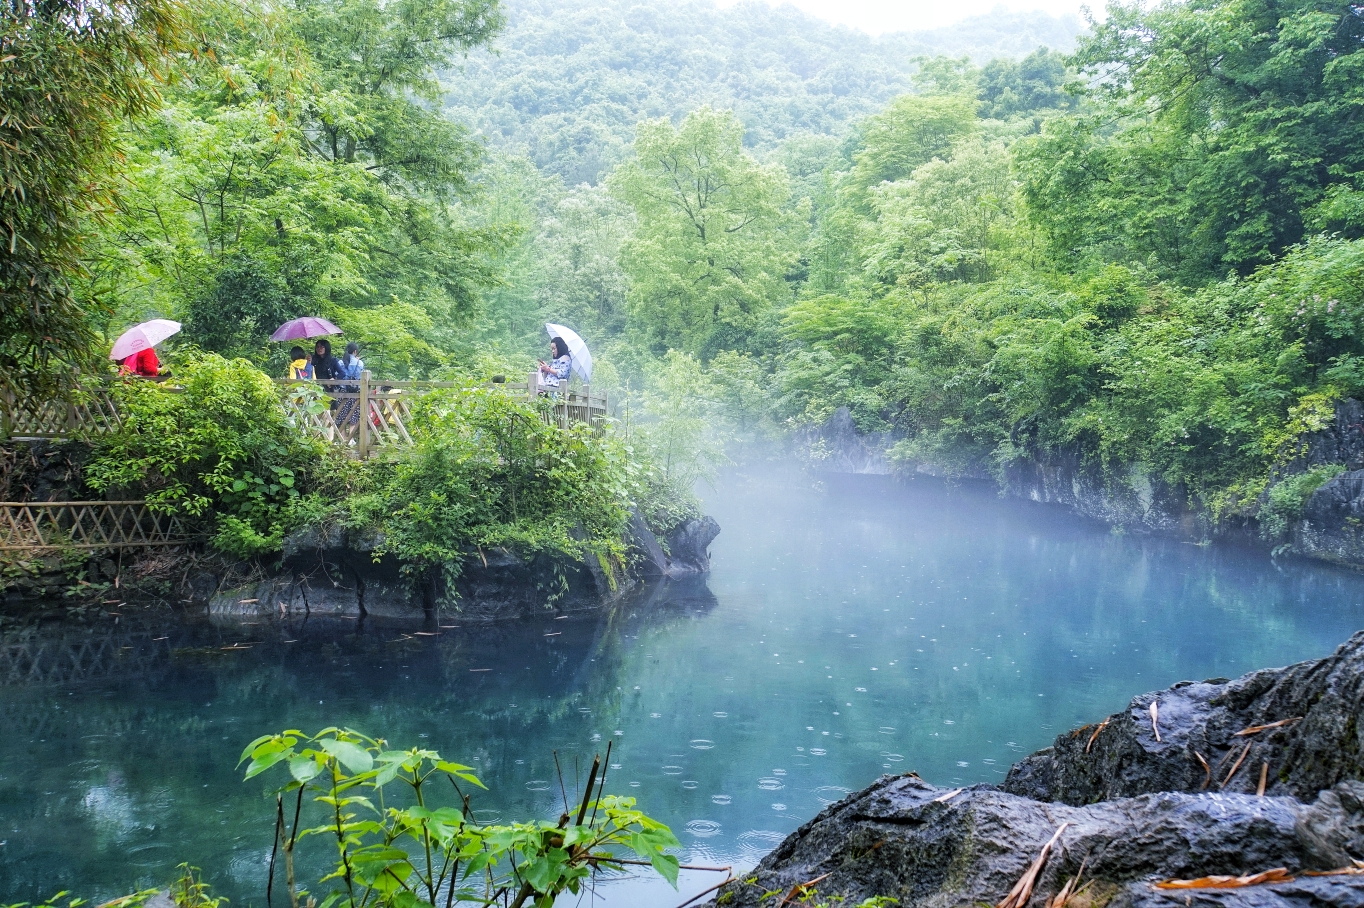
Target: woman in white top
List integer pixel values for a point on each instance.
(552, 373)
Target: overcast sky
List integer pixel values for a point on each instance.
(877, 16)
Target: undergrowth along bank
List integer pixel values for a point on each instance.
(485, 471)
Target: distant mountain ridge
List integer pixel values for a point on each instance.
(568, 80)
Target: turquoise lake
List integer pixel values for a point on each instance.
(849, 628)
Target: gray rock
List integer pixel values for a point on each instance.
(905, 839)
(689, 546)
(837, 447)
(1340, 442)
(1202, 720)
(652, 561)
(1332, 524)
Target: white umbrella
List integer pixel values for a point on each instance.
(140, 337)
(582, 359)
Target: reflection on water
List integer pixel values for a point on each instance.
(847, 630)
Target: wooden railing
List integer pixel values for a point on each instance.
(386, 406)
(54, 526)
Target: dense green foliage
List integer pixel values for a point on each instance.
(488, 471)
(1237, 133)
(420, 847)
(299, 168)
(218, 451)
(1147, 254)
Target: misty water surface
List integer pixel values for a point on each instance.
(848, 629)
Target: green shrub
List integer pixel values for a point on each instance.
(486, 471)
(1287, 499)
(218, 450)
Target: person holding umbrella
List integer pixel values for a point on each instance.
(570, 353)
(556, 371)
(134, 350)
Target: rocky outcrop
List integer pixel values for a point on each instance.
(837, 447)
(334, 572)
(1144, 796)
(926, 846)
(687, 547)
(1310, 739)
(1332, 524)
(1135, 500)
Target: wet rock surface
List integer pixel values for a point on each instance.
(689, 546)
(1136, 810)
(1318, 746)
(1332, 524)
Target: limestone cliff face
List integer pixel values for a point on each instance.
(1330, 528)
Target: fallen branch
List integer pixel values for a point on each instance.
(609, 859)
(1155, 716)
(1069, 890)
(1277, 875)
(1264, 777)
(1207, 780)
(944, 798)
(705, 892)
(1102, 726)
(1022, 891)
(1256, 729)
(800, 889)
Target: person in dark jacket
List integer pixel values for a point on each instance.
(326, 367)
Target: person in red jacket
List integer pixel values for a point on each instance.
(143, 362)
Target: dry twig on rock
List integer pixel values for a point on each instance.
(1102, 726)
(1022, 891)
(1277, 875)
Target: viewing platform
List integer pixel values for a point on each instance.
(386, 405)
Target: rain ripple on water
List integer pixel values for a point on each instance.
(703, 829)
(830, 793)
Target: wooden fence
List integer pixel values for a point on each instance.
(38, 527)
(336, 415)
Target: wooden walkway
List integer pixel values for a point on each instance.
(387, 405)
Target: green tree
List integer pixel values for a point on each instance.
(714, 243)
(290, 175)
(73, 72)
(1009, 88)
(1220, 131)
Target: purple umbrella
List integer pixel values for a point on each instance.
(300, 328)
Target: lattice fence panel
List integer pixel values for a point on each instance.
(93, 525)
(390, 413)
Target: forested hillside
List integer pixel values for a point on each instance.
(567, 80)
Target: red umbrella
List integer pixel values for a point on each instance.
(300, 328)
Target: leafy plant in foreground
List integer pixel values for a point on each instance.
(419, 848)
